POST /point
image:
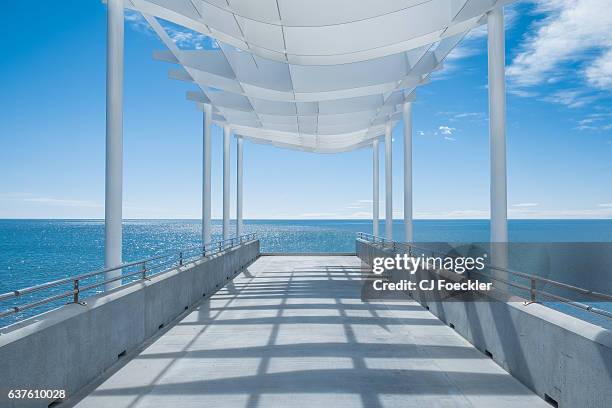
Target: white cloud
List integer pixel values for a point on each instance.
(573, 31)
(318, 215)
(473, 115)
(474, 43)
(599, 74)
(526, 205)
(446, 130)
(572, 98)
(529, 213)
(61, 202)
(183, 37)
(596, 122)
(520, 213)
(71, 208)
(454, 214)
(360, 205)
(137, 22)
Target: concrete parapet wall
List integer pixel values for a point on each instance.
(561, 358)
(69, 347)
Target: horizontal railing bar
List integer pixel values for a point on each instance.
(516, 273)
(576, 304)
(46, 285)
(507, 282)
(18, 309)
(111, 280)
(219, 246)
(547, 294)
(550, 296)
(555, 283)
(374, 240)
(35, 288)
(162, 265)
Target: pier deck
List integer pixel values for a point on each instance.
(292, 331)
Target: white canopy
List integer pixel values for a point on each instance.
(316, 75)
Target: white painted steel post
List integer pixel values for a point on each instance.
(408, 172)
(226, 180)
(239, 142)
(497, 140)
(375, 188)
(388, 183)
(113, 234)
(206, 176)
(497, 125)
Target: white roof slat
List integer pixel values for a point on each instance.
(309, 78)
(317, 75)
(265, 11)
(369, 34)
(315, 13)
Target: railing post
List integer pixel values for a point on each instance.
(75, 287)
(181, 258)
(144, 270)
(533, 290)
(203, 251)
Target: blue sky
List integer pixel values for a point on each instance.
(52, 126)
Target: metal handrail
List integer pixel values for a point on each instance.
(172, 259)
(533, 280)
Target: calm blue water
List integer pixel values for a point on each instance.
(36, 251)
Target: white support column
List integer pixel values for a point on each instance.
(497, 125)
(239, 142)
(375, 188)
(408, 171)
(206, 175)
(113, 199)
(497, 140)
(226, 180)
(388, 183)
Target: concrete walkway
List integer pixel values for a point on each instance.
(293, 332)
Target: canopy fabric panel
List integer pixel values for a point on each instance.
(316, 75)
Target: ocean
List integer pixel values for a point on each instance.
(37, 251)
